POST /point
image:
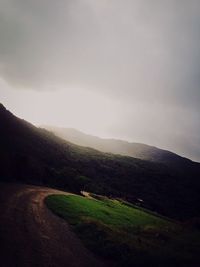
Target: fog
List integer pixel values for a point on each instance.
(122, 69)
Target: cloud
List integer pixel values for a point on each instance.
(142, 53)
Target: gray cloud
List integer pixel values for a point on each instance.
(143, 53)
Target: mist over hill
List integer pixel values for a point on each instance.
(33, 155)
(136, 150)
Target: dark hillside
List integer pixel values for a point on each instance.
(36, 156)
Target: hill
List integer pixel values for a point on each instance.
(136, 150)
(36, 156)
(125, 234)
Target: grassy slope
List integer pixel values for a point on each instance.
(126, 234)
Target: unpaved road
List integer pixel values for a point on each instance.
(31, 235)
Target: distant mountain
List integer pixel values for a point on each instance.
(33, 155)
(136, 150)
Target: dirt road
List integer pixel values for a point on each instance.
(31, 235)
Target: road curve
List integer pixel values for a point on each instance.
(32, 236)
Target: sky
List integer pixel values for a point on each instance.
(127, 69)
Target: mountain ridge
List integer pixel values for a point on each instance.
(117, 146)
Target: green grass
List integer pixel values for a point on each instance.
(125, 234)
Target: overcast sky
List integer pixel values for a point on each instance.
(127, 69)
